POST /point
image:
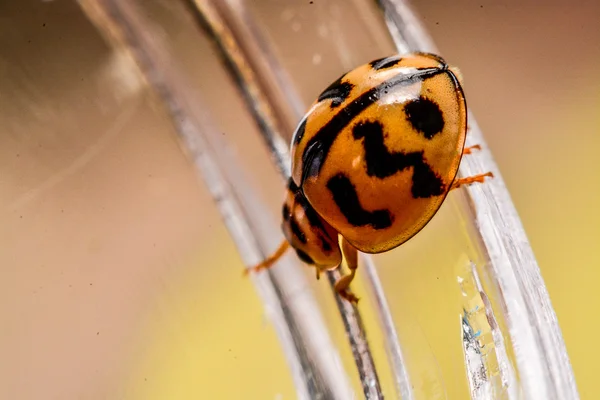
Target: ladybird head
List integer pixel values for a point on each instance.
(314, 240)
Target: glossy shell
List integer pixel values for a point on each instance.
(376, 154)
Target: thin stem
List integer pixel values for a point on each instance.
(358, 342)
(267, 116)
(315, 365)
(506, 370)
(541, 355)
(392, 341)
(234, 51)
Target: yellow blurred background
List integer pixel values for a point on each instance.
(119, 280)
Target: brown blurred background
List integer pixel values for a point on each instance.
(104, 224)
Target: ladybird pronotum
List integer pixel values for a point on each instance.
(373, 160)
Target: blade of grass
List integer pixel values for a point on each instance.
(316, 368)
(542, 358)
(250, 62)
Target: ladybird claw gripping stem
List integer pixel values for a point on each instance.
(470, 179)
(373, 161)
(469, 150)
(343, 284)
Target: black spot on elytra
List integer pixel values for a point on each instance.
(338, 91)
(297, 231)
(378, 61)
(426, 183)
(425, 116)
(318, 147)
(385, 62)
(346, 198)
(382, 163)
(304, 257)
(299, 134)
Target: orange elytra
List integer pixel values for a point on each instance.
(373, 161)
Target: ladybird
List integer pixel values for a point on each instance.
(373, 160)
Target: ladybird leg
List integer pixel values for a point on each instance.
(269, 261)
(469, 150)
(470, 179)
(341, 286)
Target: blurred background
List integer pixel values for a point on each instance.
(118, 279)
